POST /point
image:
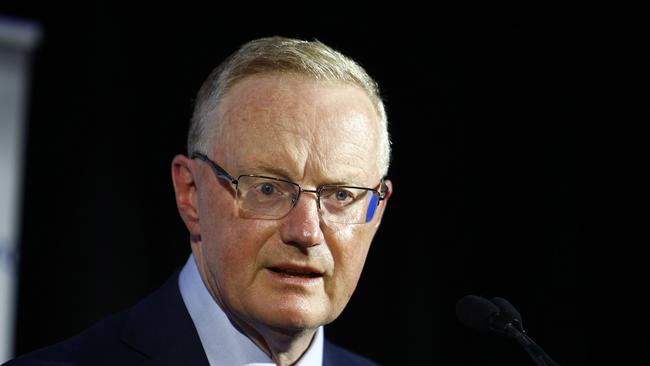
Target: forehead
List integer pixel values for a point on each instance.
(309, 128)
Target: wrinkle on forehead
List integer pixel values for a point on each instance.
(324, 131)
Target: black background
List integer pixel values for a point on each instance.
(520, 168)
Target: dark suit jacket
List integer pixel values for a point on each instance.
(156, 331)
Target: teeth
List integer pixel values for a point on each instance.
(290, 272)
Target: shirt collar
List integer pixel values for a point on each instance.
(223, 343)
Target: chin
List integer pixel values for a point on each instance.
(294, 317)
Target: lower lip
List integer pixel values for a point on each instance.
(294, 280)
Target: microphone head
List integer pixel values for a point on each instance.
(509, 313)
(476, 312)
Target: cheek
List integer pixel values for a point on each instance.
(236, 247)
(232, 252)
(350, 254)
(219, 229)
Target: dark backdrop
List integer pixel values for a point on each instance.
(520, 168)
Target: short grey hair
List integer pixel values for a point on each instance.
(284, 55)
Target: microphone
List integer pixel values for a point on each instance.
(508, 312)
(499, 316)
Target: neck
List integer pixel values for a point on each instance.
(284, 346)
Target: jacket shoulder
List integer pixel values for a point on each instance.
(158, 325)
(334, 355)
(99, 342)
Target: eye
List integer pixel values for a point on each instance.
(342, 195)
(266, 189)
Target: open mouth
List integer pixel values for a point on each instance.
(295, 273)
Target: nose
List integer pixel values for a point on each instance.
(301, 226)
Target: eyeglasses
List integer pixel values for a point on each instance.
(260, 197)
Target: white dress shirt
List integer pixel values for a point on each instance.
(224, 344)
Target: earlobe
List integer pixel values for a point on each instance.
(185, 192)
(389, 192)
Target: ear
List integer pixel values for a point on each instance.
(183, 177)
(384, 202)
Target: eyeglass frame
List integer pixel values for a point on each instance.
(221, 173)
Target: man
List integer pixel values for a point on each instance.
(282, 192)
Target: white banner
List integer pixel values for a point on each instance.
(17, 40)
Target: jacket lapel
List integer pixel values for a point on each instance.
(160, 328)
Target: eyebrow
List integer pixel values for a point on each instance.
(262, 168)
(280, 172)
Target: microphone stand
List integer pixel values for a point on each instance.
(534, 351)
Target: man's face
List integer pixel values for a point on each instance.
(309, 132)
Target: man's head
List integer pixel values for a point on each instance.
(312, 60)
(291, 111)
